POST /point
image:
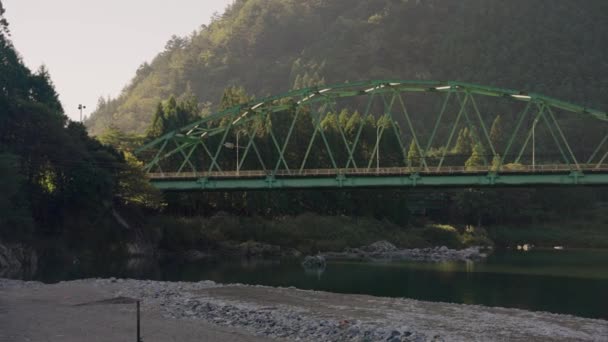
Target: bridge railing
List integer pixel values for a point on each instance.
(387, 171)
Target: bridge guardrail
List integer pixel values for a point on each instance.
(393, 171)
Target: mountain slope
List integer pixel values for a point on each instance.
(558, 48)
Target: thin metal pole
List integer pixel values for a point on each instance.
(534, 145)
(237, 153)
(138, 325)
(81, 107)
(378, 149)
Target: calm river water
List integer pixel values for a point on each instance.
(568, 282)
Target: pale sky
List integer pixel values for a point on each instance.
(92, 48)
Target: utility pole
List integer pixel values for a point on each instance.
(80, 108)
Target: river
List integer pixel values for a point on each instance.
(565, 281)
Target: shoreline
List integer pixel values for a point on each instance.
(254, 312)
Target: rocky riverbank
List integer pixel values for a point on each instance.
(17, 260)
(385, 250)
(177, 309)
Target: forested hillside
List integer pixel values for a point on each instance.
(57, 183)
(557, 48)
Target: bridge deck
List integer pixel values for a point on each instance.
(383, 177)
(390, 171)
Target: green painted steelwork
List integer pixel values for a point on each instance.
(473, 180)
(203, 145)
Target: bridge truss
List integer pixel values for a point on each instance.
(404, 133)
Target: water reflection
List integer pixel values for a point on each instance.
(469, 266)
(531, 280)
(315, 272)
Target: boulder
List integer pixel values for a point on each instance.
(253, 249)
(314, 262)
(194, 255)
(380, 247)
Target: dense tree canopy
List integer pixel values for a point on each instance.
(54, 179)
(270, 46)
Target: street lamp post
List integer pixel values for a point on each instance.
(80, 108)
(231, 146)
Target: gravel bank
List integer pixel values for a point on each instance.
(385, 250)
(251, 313)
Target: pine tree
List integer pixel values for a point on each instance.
(343, 119)
(352, 127)
(233, 96)
(496, 161)
(496, 133)
(297, 84)
(463, 143)
(413, 155)
(476, 159)
(158, 126)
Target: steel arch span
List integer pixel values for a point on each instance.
(386, 133)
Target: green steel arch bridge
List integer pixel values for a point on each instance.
(402, 134)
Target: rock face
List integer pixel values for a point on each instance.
(314, 262)
(17, 260)
(386, 250)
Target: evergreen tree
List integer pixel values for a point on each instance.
(496, 163)
(413, 155)
(343, 119)
(496, 133)
(463, 145)
(159, 124)
(233, 96)
(476, 160)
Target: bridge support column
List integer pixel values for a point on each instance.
(576, 176)
(341, 179)
(492, 176)
(270, 180)
(202, 182)
(415, 177)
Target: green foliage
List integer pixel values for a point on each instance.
(442, 235)
(233, 96)
(585, 231)
(477, 158)
(172, 114)
(3, 23)
(413, 155)
(308, 233)
(464, 143)
(134, 188)
(270, 46)
(57, 182)
(121, 141)
(15, 217)
(497, 134)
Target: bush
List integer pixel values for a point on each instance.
(443, 235)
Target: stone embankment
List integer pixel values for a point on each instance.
(385, 250)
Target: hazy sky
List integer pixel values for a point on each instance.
(92, 48)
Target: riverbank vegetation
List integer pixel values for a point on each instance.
(60, 186)
(307, 233)
(56, 182)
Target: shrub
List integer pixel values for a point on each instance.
(443, 235)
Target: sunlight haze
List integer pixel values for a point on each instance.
(93, 48)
